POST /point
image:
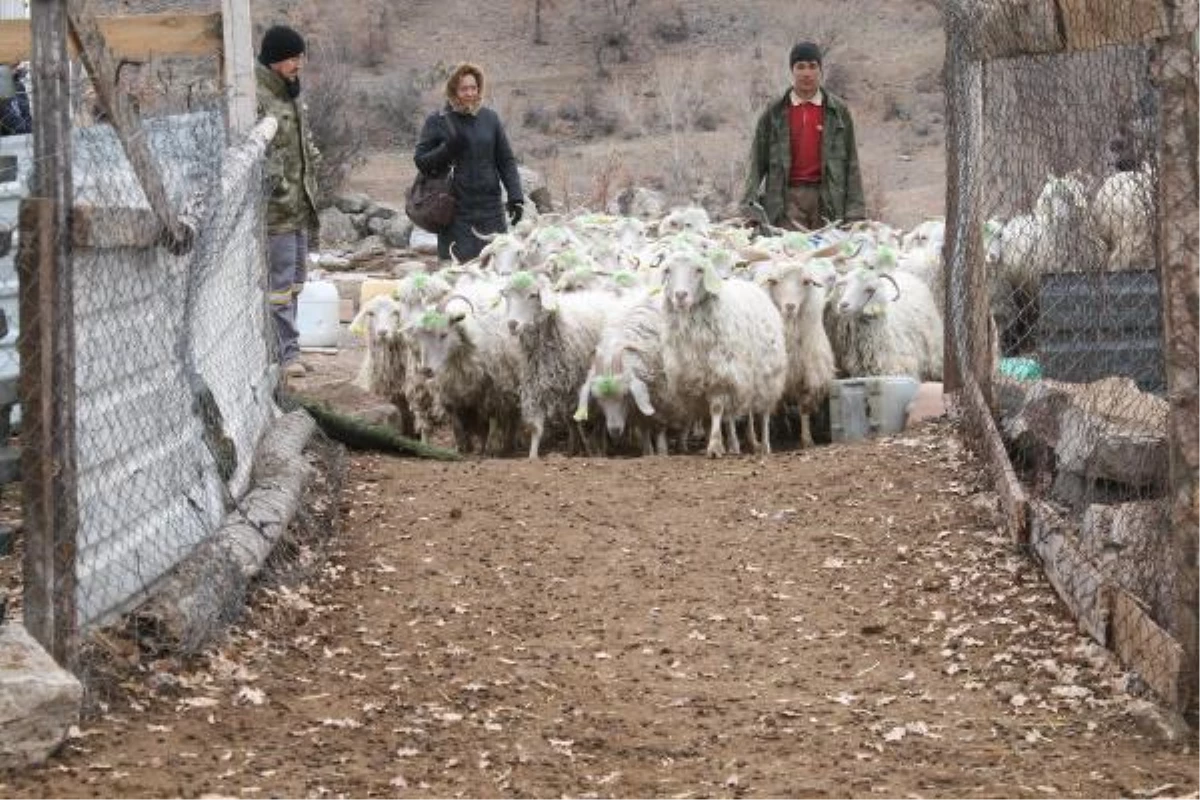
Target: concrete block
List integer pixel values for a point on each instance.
(39, 700)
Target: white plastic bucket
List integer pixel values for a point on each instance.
(317, 314)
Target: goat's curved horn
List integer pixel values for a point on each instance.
(487, 237)
(892, 280)
(824, 252)
(852, 254)
(441, 307)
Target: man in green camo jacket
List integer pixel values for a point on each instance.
(292, 225)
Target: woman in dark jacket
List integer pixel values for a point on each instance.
(470, 138)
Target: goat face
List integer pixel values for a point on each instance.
(687, 280)
(384, 321)
(527, 300)
(437, 340)
(795, 289)
(863, 293)
(614, 393)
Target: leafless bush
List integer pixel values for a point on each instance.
(687, 97)
(894, 108)
(610, 175)
(596, 118)
(339, 137)
(874, 193)
(394, 111)
(623, 99)
(537, 117)
(674, 29)
(609, 27)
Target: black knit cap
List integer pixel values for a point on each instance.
(280, 43)
(805, 51)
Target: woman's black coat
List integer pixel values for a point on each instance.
(484, 162)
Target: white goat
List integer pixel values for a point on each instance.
(473, 364)
(885, 324)
(627, 380)
(798, 289)
(1123, 215)
(558, 333)
(384, 371)
(1057, 237)
(723, 348)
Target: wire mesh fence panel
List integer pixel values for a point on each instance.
(1055, 214)
(172, 380)
(169, 370)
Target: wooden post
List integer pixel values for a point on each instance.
(1178, 244)
(102, 68)
(238, 67)
(47, 347)
(967, 340)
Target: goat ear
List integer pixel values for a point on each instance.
(641, 396)
(549, 298)
(457, 317)
(585, 396)
(358, 325)
(712, 281)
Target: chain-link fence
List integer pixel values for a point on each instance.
(1060, 300)
(146, 363)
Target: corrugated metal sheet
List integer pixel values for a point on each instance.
(11, 193)
(1093, 325)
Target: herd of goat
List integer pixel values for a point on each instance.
(661, 327)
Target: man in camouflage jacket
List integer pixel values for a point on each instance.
(291, 180)
(804, 161)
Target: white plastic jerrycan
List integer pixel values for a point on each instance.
(317, 316)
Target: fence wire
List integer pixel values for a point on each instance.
(1054, 252)
(171, 377)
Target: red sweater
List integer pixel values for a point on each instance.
(806, 121)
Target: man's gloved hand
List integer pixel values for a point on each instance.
(516, 210)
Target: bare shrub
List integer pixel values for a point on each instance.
(609, 27)
(874, 193)
(624, 99)
(537, 117)
(606, 179)
(683, 93)
(342, 142)
(674, 29)
(394, 112)
(595, 117)
(894, 108)
(376, 46)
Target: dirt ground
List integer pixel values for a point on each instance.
(842, 621)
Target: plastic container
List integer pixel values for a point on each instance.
(317, 314)
(860, 408)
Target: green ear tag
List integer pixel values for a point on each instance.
(520, 280)
(606, 386)
(432, 320)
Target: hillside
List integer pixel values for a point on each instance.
(676, 114)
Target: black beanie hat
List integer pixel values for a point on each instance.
(804, 51)
(280, 43)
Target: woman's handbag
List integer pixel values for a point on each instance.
(430, 202)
